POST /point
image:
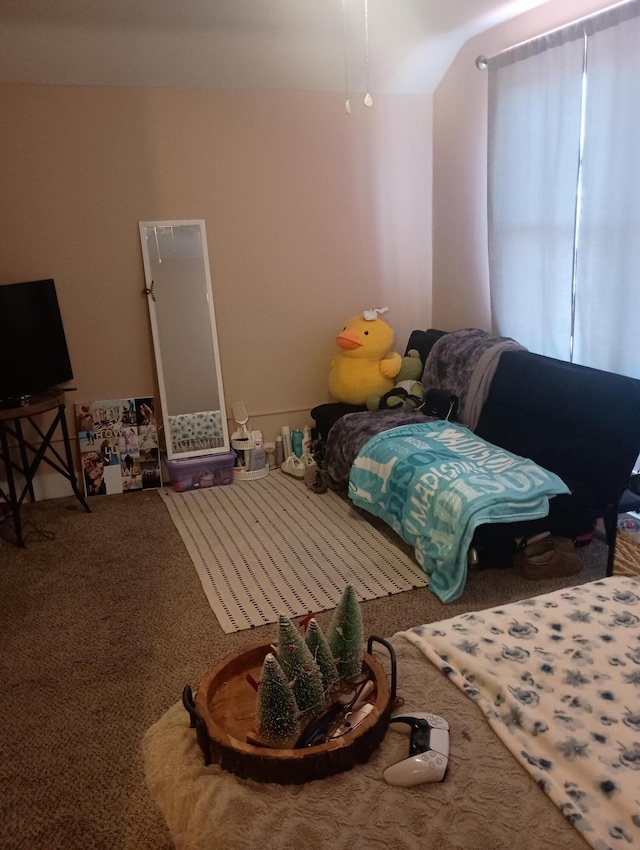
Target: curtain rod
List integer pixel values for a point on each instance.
(587, 25)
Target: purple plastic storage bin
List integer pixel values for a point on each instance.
(196, 473)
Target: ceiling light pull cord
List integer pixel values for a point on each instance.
(368, 100)
(347, 103)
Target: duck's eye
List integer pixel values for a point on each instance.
(366, 333)
(344, 328)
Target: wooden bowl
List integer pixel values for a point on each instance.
(227, 703)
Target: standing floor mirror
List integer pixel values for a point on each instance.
(183, 324)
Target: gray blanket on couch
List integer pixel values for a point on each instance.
(463, 363)
(351, 432)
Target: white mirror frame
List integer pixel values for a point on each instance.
(148, 273)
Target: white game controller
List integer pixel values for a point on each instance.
(428, 750)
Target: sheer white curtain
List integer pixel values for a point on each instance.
(608, 267)
(534, 146)
(564, 190)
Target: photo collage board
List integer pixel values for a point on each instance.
(118, 445)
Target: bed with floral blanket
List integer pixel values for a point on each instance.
(558, 679)
(435, 482)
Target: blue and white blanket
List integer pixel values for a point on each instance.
(558, 679)
(434, 483)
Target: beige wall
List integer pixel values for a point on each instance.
(311, 216)
(460, 263)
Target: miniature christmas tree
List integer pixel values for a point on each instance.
(345, 635)
(276, 710)
(308, 690)
(299, 668)
(322, 655)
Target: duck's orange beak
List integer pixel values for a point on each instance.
(349, 340)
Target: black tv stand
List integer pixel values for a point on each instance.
(11, 401)
(11, 420)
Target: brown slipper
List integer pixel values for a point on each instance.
(547, 558)
(319, 483)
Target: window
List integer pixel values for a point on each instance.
(564, 191)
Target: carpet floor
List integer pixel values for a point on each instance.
(103, 623)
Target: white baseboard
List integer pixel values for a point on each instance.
(44, 487)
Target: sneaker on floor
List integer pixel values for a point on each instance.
(310, 469)
(294, 466)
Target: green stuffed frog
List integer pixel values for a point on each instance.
(407, 391)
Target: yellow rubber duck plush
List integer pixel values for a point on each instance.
(365, 363)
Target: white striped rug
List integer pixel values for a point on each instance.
(271, 546)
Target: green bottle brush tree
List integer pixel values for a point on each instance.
(304, 678)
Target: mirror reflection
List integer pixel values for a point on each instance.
(183, 323)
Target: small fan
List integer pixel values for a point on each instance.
(242, 417)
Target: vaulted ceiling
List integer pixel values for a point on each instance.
(308, 45)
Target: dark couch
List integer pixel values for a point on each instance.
(581, 423)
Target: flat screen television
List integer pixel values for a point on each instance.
(33, 347)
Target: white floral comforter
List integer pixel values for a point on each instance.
(558, 678)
